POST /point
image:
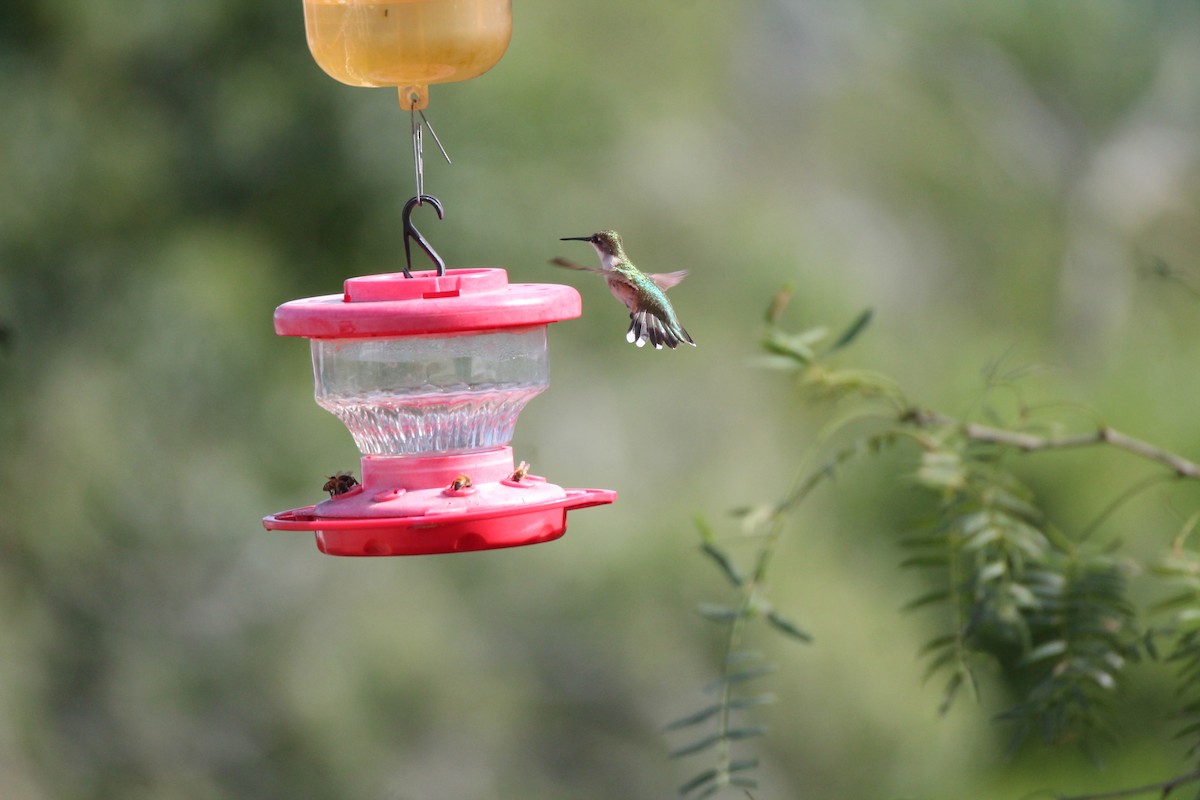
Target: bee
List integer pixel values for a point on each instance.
(461, 482)
(339, 484)
(520, 472)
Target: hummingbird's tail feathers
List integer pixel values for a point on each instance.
(644, 326)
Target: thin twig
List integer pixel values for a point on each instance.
(1163, 788)
(1121, 499)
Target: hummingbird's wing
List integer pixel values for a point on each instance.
(562, 262)
(665, 280)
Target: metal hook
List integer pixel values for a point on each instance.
(411, 232)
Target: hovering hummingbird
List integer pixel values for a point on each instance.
(651, 316)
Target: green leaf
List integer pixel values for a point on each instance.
(1047, 650)
(722, 560)
(1045, 581)
(1188, 731)
(752, 701)
(1171, 568)
(786, 626)
(1014, 505)
(979, 539)
(1183, 600)
(1188, 526)
(925, 561)
(942, 470)
(842, 382)
(743, 657)
(950, 692)
(939, 662)
(1022, 596)
(968, 676)
(1150, 646)
(739, 677)
(696, 746)
(929, 598)
(754, 518)
(797, 346)
(777, 362)
(698, 781)
(709, 741)
(921, 541)
(703, 715)
(991, 572)
(851, 333)
(800, 357)
(748, 732)
(939, 643)
(717, 613)
(708, 544)
(810, 336)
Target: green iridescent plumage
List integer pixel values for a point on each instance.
(651, 316)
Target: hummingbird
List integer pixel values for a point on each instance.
(651, 317)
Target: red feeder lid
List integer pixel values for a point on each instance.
(462, 300)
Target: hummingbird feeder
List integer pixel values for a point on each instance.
(429, 374)
(429, 369)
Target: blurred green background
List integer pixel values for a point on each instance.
(992, 177)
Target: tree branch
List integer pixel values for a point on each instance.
(1029, 442)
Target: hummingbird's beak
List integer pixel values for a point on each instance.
(575, 239)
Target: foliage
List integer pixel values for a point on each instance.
(1049, 609)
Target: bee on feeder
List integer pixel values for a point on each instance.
(520, 472)
(461, 482)
(339, 484)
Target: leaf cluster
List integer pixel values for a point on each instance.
(720, 722)
(1181, 570)
(1085, 633)
(1049, 612)
(806, 354)
(1054, 618)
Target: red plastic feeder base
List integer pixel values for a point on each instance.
(436, 533)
